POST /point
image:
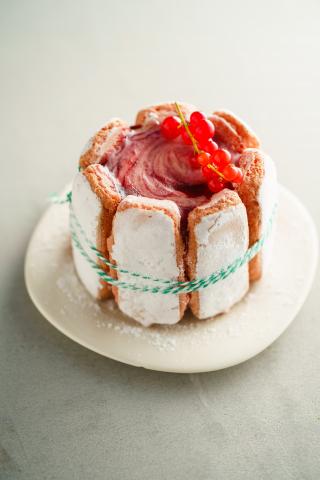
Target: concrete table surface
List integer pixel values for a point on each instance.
(65, 412)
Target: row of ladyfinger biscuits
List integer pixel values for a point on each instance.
(143, 235)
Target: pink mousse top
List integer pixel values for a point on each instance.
(152, 166)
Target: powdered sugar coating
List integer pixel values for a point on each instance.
(87, 209)
(144, 241)
(222, 237)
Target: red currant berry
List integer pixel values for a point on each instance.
(204, 158)
(170, 127)
(222, 158)
(197, 117)
(239, 177)
(230, 172)
(215, 184)
(194, 162)
(185, 136)
(207, 173)
(209, 146)
(204, 130)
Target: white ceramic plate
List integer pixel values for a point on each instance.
(193, 345)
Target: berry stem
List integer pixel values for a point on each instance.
(194, 143)
(186, 126)
(212, 167)
(196, 148)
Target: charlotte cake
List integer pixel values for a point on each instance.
(176, 197)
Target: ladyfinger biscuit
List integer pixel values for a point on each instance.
(233, 132)
(258, 192)
(146, 239)
(157, 113)
(95, 197)
(107, 141)
(249, 138)
(218, 235)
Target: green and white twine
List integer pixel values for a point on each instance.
(57, 199)
(165, 286)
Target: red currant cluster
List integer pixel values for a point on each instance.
(215, 162)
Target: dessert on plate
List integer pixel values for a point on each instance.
(177, 196)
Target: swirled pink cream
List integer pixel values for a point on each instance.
(152, 166)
